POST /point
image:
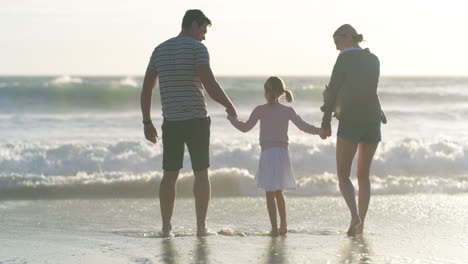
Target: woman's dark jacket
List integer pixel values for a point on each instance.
(352, 90)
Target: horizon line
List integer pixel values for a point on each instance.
(234, 75)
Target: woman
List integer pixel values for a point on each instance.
(352, 95)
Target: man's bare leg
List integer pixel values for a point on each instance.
(167, 194)
(202, 193)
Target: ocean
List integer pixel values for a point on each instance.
(69, 137)
(79, 183)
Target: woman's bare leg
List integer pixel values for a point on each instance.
(345, 151)
(365, 156)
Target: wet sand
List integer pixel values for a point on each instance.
(399, 229)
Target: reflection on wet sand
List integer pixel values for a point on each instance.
(170, 254)
(277, 251)
(356, 250)
(201, 250)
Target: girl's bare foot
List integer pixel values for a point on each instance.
(352, 231)
(283, 230)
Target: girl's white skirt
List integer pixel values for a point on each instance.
(275, 170)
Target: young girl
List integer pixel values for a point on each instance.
(274, 172)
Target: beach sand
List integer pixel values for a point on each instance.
(429, 228)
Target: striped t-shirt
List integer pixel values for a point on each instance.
(180, 88)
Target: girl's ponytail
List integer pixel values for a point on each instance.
(289, 96)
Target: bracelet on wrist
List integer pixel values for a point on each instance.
(147, 122)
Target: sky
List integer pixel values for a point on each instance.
(248, 37)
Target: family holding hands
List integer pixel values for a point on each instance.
(182, 66)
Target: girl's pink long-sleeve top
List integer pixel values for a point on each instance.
(274, 121)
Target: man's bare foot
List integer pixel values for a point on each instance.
(283, 230)
(202, 231)
(167, 231)
(353, 226)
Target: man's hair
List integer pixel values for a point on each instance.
(194, 15)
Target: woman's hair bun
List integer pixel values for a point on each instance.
(358, 38)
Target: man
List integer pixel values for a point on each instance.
(182, 66)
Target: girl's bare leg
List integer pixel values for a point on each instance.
(271, 206)
(280, 202)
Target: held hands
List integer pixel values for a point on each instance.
(325, 94)
(231, 110)
(150, 133)
(324, 133)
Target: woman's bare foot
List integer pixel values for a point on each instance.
(360, 228)
(274, 232)
(283, 230)
(352, 231)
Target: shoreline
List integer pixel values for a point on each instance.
(400, 228)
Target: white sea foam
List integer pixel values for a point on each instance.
(409, 157)
(133, 169)
(128, 81)
(64, 79)
(224, 182)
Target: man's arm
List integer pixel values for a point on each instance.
(213, 88)
(145, 100)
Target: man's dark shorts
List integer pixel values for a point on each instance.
(193, 132)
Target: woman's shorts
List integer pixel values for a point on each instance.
(369, 134)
